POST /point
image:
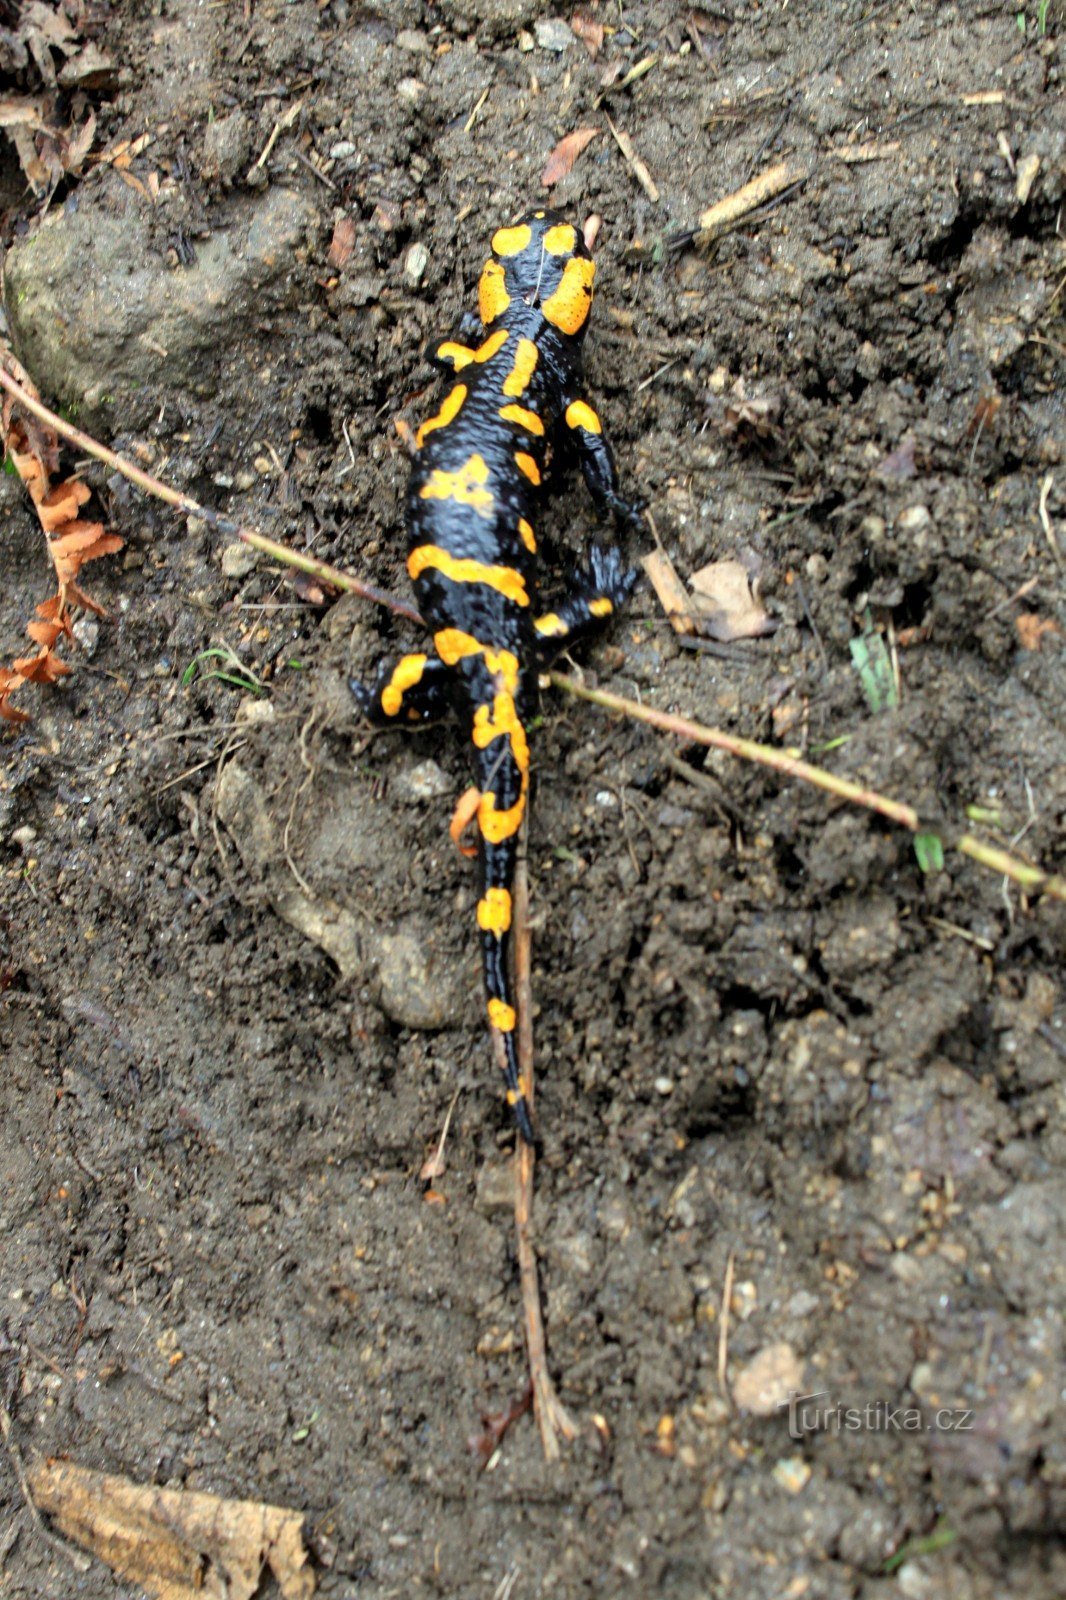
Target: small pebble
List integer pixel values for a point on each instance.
(342, 150)
(526, 41)
(87, 633)
(914, 520)
(552, 33)
(664, 1086)
(23, 837)
(416, 263)
(424, 781)
(410, 90)
(238, 560)
(792, 1473)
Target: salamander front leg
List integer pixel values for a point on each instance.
(596, 593)
(597, 464)
(458, 349)
(411, 690)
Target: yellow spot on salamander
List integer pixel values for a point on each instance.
(494, 912)
(601, 607)
(499, 825)
(560, 240)
(568, 307)
(551, 626)
(517, 380)
(524, 419)
(502, 1016)
(460, 355)
(492, 296)
(511, 241)
(460, 569)
(525, 533)
(452, 644)
(580, 415)
(468, 486)
(407, 672)
(503, 666)
(502, 722)
(450, 409)
(527, 466)
(492, 345)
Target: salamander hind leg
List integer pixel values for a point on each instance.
(411, 690)
(595, 594)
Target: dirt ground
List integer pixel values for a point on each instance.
(764, 1034)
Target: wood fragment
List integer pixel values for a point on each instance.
(870, 151)
(165, 1540)
(634, 162)
(984, 97)
(472, 118)
(723, 1331)
(670, 591)
(1045, 517)
(726, 213)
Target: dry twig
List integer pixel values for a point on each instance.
(552, 1417)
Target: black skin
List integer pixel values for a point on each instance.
(476, 450)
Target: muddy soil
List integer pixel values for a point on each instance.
(240, 988)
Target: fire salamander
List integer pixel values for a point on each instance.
(479, 465)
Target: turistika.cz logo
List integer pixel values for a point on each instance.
(820, 1413)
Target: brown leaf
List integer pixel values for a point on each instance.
(89, 69)
(566, 152)
(728, 603)
(9, 682)
(590, 33)
(74, 149)
(34, 169)
(19, 111)
(43, 668)
(169, 1541)
(899, 465)
(62, 503)
(1031, 629)
(343, 242)
(45, 633)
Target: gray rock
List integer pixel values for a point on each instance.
(238, 559)
(552, 33)
(413, 988)
(98, 317)
(227, 146)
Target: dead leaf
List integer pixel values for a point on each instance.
(43, 668)
(728, 603)
(1032, 628)
(343, 242)
(20, 111)
(89, 69)
(566, 152)
(753, 416)
(62, 503)
(590, 33)
(176, 1544)
(74, 149)
(899, 465)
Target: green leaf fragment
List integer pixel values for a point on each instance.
(870, 657)
(929, 849)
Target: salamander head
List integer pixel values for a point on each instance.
(542, 263)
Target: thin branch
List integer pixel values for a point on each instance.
(1029, 877)
(193, 508)
(552, 1417)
